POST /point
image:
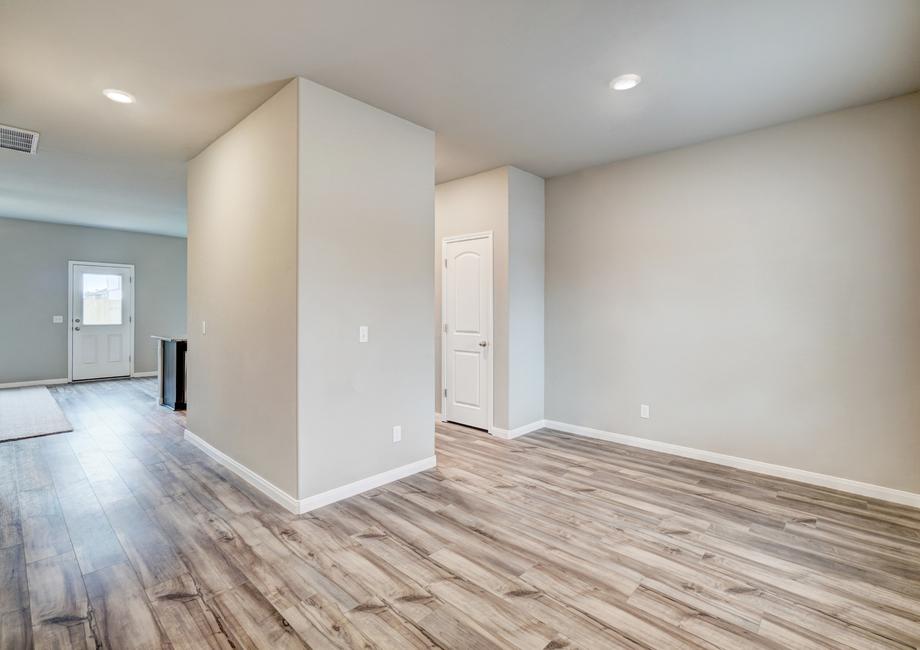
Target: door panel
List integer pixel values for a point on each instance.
(116, 348)
(468, 330)
(467, 390)
(101, 328)
(467, 297)
(88, 351)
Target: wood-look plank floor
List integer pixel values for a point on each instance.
(121, 535)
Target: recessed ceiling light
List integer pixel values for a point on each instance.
(119, 96)
(625, 81)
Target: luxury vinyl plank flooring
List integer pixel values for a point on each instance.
(121, 535)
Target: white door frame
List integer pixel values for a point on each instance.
(132, 354)
(444, 242)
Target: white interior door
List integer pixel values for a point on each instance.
(102, 331)
(467, 312)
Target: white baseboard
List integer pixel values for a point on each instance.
(150, 373)
(36, 382)
(351, 489)
(509, 434)
(265, 486)
(780, 471)
(300, 506)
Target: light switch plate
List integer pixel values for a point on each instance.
(362, 334)
(644, 411)
(57, 319)
(204, 327)
(397, 433)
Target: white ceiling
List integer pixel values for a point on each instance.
(521, 82)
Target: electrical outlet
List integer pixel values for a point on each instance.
(57, 319)
(397, 433)
(362, 334)
(643, 411)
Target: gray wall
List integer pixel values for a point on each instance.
(365, 231)
(760, 292)
(33, 288)
(242, 280)
(526, 275)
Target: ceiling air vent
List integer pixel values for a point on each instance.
(18, 139)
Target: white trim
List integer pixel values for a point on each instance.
(149, 373)
(438, 418)
(760, 467)
(133, 354)
(518, 431)
(70, 321)
(300, 506)
(264, 486)
(351, 489)
(487, 234)
(35, 382)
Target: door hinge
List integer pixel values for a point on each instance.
(445, 328)
(130, 279)
(445, 392)
(445, 263)
(129, 358)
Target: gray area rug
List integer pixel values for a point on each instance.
(30, 412)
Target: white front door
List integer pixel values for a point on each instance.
(467, 312)
(101, 325)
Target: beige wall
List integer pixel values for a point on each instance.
(760, 292)
(242, 276)
(310, 218)
(366, 226)
(33, 288)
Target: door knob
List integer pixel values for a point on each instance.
(77, 328)
(483, 344)
(76, 320)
